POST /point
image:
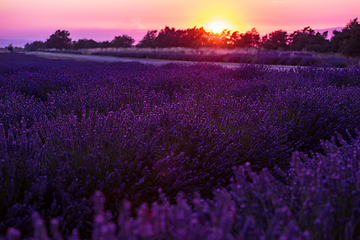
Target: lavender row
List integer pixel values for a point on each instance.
(260, 57)
(126, 129)
(320, 200)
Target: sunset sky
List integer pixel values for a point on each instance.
(24, 21)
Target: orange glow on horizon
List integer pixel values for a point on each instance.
(217, 16)
(217, 26)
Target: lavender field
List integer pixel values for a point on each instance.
(177, 151)
(265, 57)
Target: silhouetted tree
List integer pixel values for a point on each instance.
(104, 44)
(275, 41)
(225, 38)
(214, 40)
(10, 47)
(123, 41)
(351, 45)
(193, 38)
(347, 41)
(35, 46)
(85, 43)
(301, 38)
(59, 40)
(337, 40)
(148, 40)
(198, 37)
(234, 37)
(306, 39)
(248, 39)
(219, 40)
(319, 43)
(168, 37)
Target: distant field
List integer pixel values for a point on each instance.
(101, 58)
(255, 56)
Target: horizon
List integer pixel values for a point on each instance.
(101, 35)
(23, 22)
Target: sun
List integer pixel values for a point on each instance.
(217, 26)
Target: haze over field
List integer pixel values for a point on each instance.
(24, 21)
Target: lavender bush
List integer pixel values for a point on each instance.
(320, 200)
(69, 128)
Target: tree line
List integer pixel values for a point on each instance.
(60, 40)
(346, 41)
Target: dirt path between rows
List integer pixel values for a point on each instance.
(140, 60)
